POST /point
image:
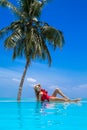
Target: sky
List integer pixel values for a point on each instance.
(69, 65)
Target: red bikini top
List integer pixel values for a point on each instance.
(45, 95)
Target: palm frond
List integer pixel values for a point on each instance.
(3, 3)
(4, 31)
(46, 53)
(14, 53)
(25, 6)
(53, 36)
(9, 42)
(18, 50)
(39, 47)
(31, 8)
(35, 8)
(13, 39)
(6, 3)
(16, 24)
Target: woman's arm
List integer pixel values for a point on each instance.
(40, 95)
(36, 94)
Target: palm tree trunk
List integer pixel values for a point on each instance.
(22, 81)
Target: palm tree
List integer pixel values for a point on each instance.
(28, 36)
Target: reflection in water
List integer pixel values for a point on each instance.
(42, 107)
(20, 116)
(49, 114)
(39, 115)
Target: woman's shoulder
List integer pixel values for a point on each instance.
(40, 93)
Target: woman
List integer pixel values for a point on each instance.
(42, 95)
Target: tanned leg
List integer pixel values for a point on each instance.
(58, 91)
(63, 99)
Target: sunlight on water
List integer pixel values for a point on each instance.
(32, 115)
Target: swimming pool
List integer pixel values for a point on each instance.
(30, 115)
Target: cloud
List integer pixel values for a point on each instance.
(31, 80)
(84, 86)
(16, 80)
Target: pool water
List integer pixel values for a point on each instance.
(31, 115)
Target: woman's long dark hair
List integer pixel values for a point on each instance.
(37, 94)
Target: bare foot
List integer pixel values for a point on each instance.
(72, 100)
(75, 100)
(78, 99)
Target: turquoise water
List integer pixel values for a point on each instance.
(30, 115)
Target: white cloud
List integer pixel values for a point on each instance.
(31, 80)
(16, 80)
(84, 86)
